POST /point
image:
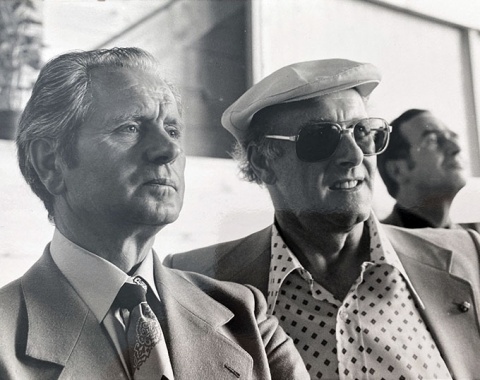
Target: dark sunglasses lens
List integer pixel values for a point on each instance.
(317, 142)
(371, 135)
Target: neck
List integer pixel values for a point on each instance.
(333, 255)
(124, 247)
(433, 207)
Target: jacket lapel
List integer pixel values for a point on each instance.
(246, 261)
(195, 326)
(62, 330)
(443, 286)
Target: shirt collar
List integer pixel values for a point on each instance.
(280, 267)
(381, 252)
(96, 280)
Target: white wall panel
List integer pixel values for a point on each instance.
(421, 61)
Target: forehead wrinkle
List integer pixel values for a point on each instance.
(151, 106)
(161, 95)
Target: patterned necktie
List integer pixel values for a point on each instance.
(148, 355)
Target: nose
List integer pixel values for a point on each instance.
(452, 145)
(348, 154)
(161, 147)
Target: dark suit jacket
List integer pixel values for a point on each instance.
(443, 266)
(395, 219)
(213, 330)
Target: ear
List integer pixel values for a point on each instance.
(398, 170)
(260, 165)
(48, 165)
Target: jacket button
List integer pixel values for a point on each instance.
(464, 306)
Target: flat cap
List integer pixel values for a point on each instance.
(299, 81)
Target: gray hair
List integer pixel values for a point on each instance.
(259, 127)
(61, 102)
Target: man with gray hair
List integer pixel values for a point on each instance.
(101, 143)
(360, 299)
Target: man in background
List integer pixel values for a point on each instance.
(422, 169)
(101, 142)
(359, 299)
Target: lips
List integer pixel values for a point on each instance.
(346, 184)
(454, 164)
(162, 182)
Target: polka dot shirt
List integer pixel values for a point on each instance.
(376, 332)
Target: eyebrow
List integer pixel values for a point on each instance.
(128, 116)
(314, 121)
(439, 133)
(178, 121)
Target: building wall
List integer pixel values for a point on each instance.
(200, 44)
(425, 63)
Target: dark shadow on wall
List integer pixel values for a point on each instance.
(219, 77)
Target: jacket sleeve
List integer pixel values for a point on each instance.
(283, 358)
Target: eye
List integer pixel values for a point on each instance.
(362, 130)
(173, 131)
(431, 139)
(130, 128)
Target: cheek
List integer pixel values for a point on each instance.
(180, 163)
(179, 169)
(428, 165)
(308, 182)
(370, 163)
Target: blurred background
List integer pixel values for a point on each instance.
(428, 51)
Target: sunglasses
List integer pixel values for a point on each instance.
(319, 141)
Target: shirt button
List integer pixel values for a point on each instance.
(343, 315)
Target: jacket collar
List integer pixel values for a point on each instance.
(444, 282)
(253, 267)
(61, 329)
(195, 325)
(407, 243)
(178, 291)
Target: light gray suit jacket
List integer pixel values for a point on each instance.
(213, 330)
(443, 266)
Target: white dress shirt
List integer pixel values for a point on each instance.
(97, 282)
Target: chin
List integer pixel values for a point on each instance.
(165, 218)
(348, 218)
(158, 217)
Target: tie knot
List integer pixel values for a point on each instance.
(130, 295)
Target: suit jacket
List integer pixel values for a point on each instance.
(213, 330)
(395, 219)
(443, 266)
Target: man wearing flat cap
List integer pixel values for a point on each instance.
(359, 299)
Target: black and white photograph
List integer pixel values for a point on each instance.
(239, 189)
